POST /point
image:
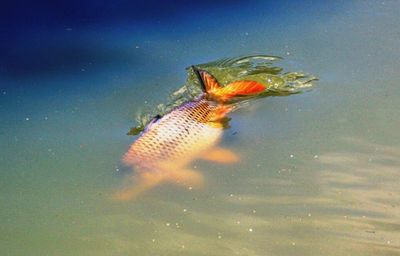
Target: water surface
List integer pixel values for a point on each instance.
(319, 173)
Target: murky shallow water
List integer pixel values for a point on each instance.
(319, 173)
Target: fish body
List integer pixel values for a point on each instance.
(178, 137)
(191, 131)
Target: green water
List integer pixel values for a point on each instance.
(319, 171)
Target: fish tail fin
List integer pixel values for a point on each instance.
(241, 88)
(235, 89)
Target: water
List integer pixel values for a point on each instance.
(319, 173)
(259, 68)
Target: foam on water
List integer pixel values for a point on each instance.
(260, 68)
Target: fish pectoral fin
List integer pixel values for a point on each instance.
(220, 155)
(143, 183)
(222, 123)
(219, 113)
(218, 118)
(186, 178)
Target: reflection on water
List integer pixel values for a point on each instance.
(364, 187)
(335, 203)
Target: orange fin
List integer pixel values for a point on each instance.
(218, 119)
(148, 180)
(187, 178)
(143, 183)
(222, 123)
(221, 155)
(219, 113)
(240, 88)
(210, 83)
(234, 89)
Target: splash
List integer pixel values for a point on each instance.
(260, 68)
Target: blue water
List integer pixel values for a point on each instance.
(319, 172)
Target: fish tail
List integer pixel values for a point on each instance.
(224, 93)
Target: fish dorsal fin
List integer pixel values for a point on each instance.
(207, 81)
(210, 83)
(235, 89)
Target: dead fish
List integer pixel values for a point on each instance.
(164, 150)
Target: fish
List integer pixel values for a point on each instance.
(168, 145)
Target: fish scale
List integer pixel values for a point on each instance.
(174, 136)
